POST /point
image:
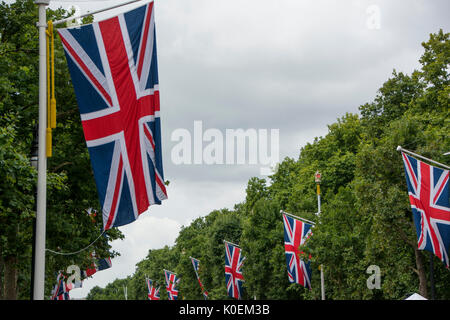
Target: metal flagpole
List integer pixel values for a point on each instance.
(418, 155)
(39, 264)
(298, 218)
(318, 177)
(231, 243)
(94, 12)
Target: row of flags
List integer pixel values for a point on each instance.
(296, 232)
(114, 71)
(61, 289)
(172, 281)
(428, 190)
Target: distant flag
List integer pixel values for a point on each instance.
(295, 234)
(233, 270)
(171, 284)
(97, 265)
(114, 71)
(60, 291)
(153, 292)
(196, 264)
(92, 213)
(428, 190)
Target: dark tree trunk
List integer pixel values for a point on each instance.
(421, 271)
(10, 278)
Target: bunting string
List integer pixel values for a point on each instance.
(72, 253)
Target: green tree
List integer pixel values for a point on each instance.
(70, 183)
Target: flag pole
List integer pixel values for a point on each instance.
(94, 12)
(231, 243)
(39, 263)
(318, 178)
(296, 217)
(399, 148)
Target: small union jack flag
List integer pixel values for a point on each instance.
(233, 270)
(153, 292)
(97, 265)
(171, 284)
(196, 264)
(296, 232)
(60, 290)
(114, 73)
(428, 190)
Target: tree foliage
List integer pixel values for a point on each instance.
(70, 184)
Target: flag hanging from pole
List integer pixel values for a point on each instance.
(196, 264)
(233, 270)
(428, 190)
(97, 265)
(114, 73)
(153, 292)
(171, 284)
(295, 234)
(60, 290)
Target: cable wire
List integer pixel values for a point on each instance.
(72, 253)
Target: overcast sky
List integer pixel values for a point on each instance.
(290, 65)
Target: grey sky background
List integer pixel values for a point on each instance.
(290, 65)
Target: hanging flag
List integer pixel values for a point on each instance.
(60, 291)
(171, 284)
(97, 265)
(153, 292)
(296, 232)
(92, 213)
(114, 73)
(233, 270)
(428, 191)
(196, 264)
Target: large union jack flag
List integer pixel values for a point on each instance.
(428, 191)
(153, 292)
(233, 270)
(296, 232)
(196, 265)
(171, 284)
(114, 73)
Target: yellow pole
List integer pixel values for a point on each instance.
(48, 130)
